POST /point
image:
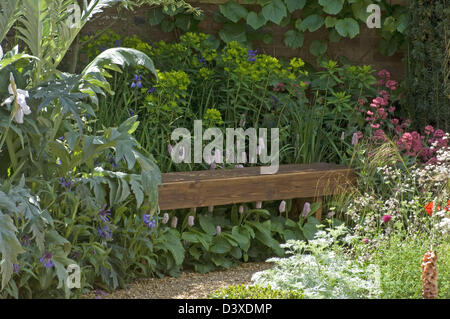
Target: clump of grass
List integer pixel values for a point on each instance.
(254, 292)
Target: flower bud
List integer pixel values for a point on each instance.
(258, 205)
(165, 218)
(191, 220)
(306, 209)
(282, 207)
(174, 222)
(241, 209)
(218, 230)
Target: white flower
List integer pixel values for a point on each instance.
(22, 107)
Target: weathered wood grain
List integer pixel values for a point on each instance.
(242, 185)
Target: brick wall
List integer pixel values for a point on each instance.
(363, 49)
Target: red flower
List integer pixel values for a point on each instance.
(429, 208)
(387, 218)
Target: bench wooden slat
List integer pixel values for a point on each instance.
(242, 185)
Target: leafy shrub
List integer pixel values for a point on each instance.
(254, 292)
(321, 269)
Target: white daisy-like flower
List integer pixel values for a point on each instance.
(20, 96)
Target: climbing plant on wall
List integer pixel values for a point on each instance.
(428, 62)
(247, 21)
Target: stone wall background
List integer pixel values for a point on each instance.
(363, 49)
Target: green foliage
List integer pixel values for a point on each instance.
(341, 18)
(321, 269)
(399, 257)
(254, 292)
(427, 97)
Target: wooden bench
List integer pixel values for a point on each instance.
(244, 185)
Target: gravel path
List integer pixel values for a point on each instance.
(189, 285)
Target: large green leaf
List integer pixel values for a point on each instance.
(293, 39)
(275, 11)
(10, 248)
(312, 23)
(8, 15)
(347, 27)
(293, 5)
(332, 6)
(233, 11)
(318, 47)
(119, 56)
(256, 20)
(233, 32)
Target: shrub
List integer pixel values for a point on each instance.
(254, 292)
(321, 269)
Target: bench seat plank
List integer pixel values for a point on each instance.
(243, 185)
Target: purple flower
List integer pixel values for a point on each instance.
(131, 112)
(105, 232)
(46, 260)
(26, 240)
(112, 162)
(61, 138)
(137, 81)
(16, 268)
(149, 223)
(306, 209)
(102, 48)
(118, 43)
(75, 255)
(151, 90)
(104, 213)
(66, 183)
(252, 55)
(201, 59)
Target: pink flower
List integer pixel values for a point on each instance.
(370, 113)
(355, 139)
(375, 126)
(384, 74)
(391, 109)
(439, 133)
(429, 129)
(306, 209)
(361, 101)
(379, 135)
(282, 207)
(360, 135)
(387, 218)
(391, 84)
(405, 142)
(365, 240)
